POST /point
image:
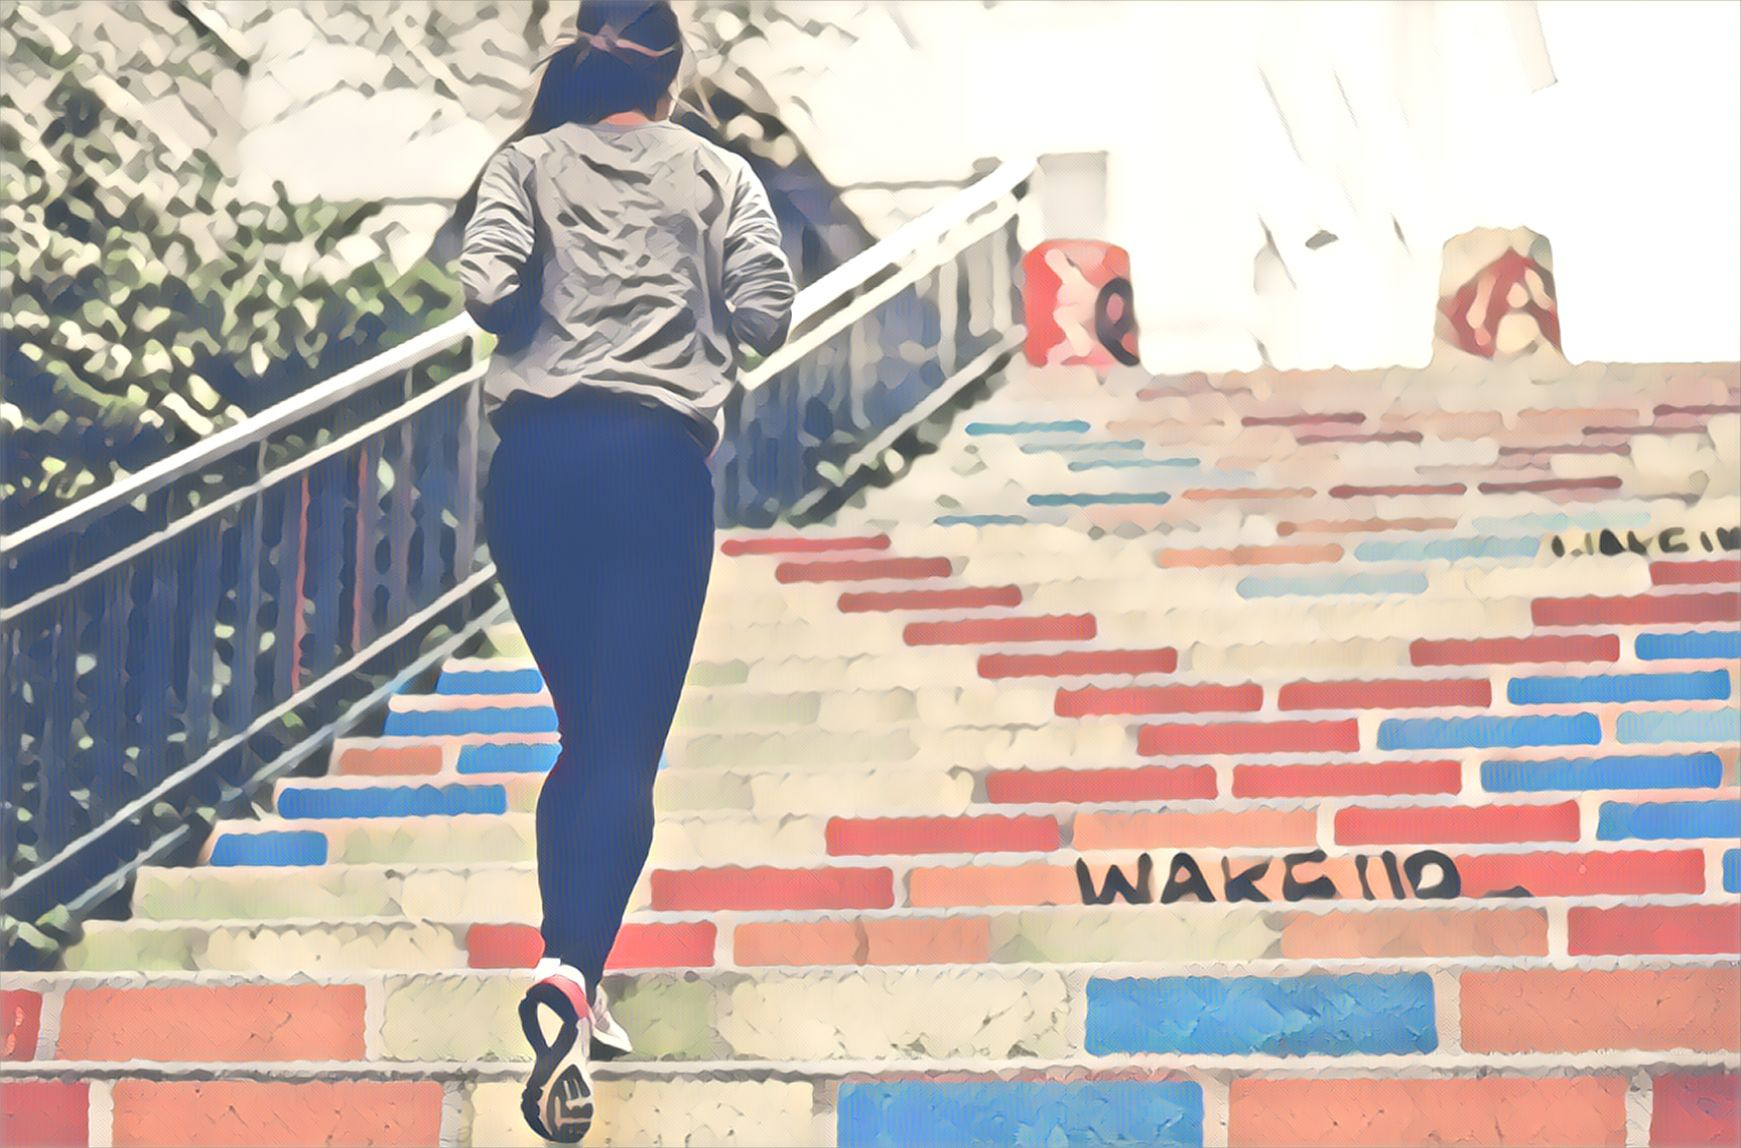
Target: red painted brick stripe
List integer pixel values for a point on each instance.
(1696, 1109)
(1598, 1010)
(733, 547)
(1670, 929)
(1394, 694)
(503, 946)
(969, 631)
(1363, 525)
(1381, 436)
(1242, 494)
(1348, 491)
(1538, 1112)
(1485, 824)
(1695, 573)
(213, 1022)
(388, 760)
(1091, 700)
(987, 834)
(965, 598)
(47, 1114)
(1146, 783)
(767, 887)
(1250, 737)
(863, 569)
(1566, 448)
(1079, 663)
(1347, 780)
(1548, 648)
(1624, 872)
(1643, 610)
(22, 1011)
(1598, 482)
(638, 946)
(1352, 417)
(210, 1113)
(1698, 409)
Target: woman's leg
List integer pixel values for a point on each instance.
(608, 549)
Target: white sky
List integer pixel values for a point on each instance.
(1630, 164)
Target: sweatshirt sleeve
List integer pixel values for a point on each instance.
(498, 242)
(759, 290)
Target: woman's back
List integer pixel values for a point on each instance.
(637, 254)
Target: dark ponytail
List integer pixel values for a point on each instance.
(625, 58)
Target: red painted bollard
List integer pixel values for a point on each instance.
(1078, 304)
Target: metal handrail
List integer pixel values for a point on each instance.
(245, 432)
(292, 574)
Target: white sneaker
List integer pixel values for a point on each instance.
(609, 1039)
(557, 1102)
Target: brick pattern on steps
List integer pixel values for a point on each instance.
(1299, 760)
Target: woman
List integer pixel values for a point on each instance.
(620, 258)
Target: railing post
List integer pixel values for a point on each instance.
(948, 314)
(108, 726)
(202, 635)
(54, 801)
(466, 501)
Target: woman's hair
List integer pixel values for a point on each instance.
(625, 58)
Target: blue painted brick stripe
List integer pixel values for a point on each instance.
(1489, 732)
(1130, 463)
(1280, 1016)
(293, 847)
(1116, 498)
(1449, 549)
(1286, 585)
(1703, 686)
(1668, 820)
(508, 757)
(1071, 447)
(1062, 426)
(482, 719)
(1732, 871)
(982, 520)
(393, 801)
(490, 682)
(1032, 1114)
(1722, 727)
(1692, 644)
(1669, 771)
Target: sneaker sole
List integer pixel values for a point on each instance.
(557, 1102)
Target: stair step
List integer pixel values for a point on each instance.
(507, 892)
(1232, 933)
(1266, 1010)
(1582, 1098)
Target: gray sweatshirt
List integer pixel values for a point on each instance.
(658, 251)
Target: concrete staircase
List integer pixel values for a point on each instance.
(1264, 759)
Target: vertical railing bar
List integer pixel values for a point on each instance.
(400, 526)
(202, 636)
(287, 588)
(326, 559)
(947, 303)
(54, 801)
(466, 501)
(154, 691)
(244, 676)
(429, 503)
(108, 728)
(363, 572)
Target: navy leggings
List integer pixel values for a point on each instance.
(599, 514)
